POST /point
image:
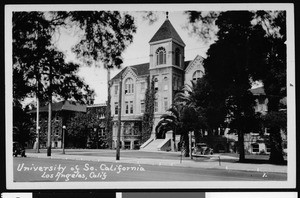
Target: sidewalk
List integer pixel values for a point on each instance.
(212, 162)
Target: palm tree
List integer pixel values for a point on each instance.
(170, 121)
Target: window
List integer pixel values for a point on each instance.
(129, 86)
(160, 56)
(177, 57)
(126, 107)
(268, 148)
(116, 108)
(156, 84)
(175, 83)
(166, 106)
(197, 75)
(142, 106)
(143, 87)
(155, 106)
(255, 148)
(165, 83)
(116, 89)
(131, 107)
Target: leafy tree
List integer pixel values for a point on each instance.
(22, 129)
(246, 48)
(273, 76)
(191, 117)
(106, 34)
(227, 73)
(36, 61)
(148, 116)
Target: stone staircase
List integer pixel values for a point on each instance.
(153, 146)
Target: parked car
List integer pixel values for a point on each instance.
(18, 149)
(202, 149)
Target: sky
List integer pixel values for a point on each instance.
(137, 52)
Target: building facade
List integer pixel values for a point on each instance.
(169, 71)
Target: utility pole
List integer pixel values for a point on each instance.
(119, 120)
(63, 138)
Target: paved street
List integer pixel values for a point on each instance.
(100, 165)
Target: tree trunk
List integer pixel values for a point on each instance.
(276, 155)
(241, 146)
(185, 145)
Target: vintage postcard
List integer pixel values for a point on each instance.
(150, 96)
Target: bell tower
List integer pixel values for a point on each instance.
(166, 66)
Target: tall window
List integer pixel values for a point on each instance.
(166, 105)
(197, 75)
(116, 89)
(255, 148)
(129, 86)
(142, 106)
(175, 83)
(155, 106)
(126, 108)
(116, 108)
(177, 57)
(156, 103)
(131, 107)
(156, 84)
(160, 56)
(165, 83)
(143, 87)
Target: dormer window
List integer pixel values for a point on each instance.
(160, 56)
(129, 86)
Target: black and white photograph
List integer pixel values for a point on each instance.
(150, 96)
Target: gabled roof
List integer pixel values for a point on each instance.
(188, 65)
(166, 31)
(139, 70)
(63, 106)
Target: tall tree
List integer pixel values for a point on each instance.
(106, 34)
(148, 116)
(41, 65)
(34, 55)
(272, 73)
(247, 47)
(190, 116)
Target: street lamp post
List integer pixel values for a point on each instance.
(119, 121)
(63, 139)
(38, 139)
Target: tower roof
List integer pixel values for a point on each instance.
(166, 31)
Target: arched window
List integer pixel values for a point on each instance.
(129, 86)
(160, 56)
(177, 57)
(197, 75)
